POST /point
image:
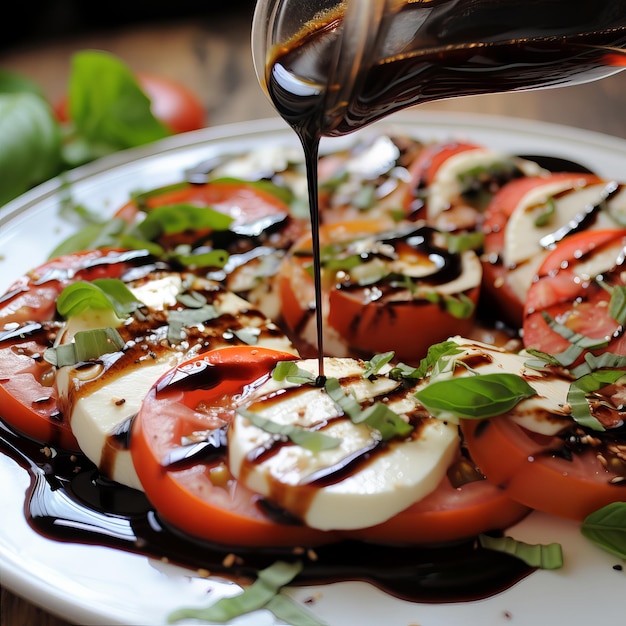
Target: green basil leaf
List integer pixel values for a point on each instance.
(377, 416)
(177, 218)
(474, 397)
(185, 318)
(30, 143)
(213, 259)
(548, 556)
(268, 583)
(577, 395)
(289, 371)
(606, 528)
(305, 438)
(100, 294)
(546, 216)
(465, 241)
(606, 360)
(429, 364)
(617, 304)
(107, 106)
(377, 362)
(87, 345)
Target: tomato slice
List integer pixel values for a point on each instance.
(498, 286)
(448, 514)
(198, 495)
(28, 397)
(567, 293)
(369, 315)
(539, 472)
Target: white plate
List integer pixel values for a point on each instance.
(93, 585)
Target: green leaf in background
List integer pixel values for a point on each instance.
(107, 106)
(16, 83)
(30, 143)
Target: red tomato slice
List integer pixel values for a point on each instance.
(244, 202)
(176, 106)
(495, 284)
(449, 514)
(28, 398)
(580, 304)
(200, 497)
(372, 318)
(525, 466)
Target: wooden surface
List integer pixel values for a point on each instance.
(211, 54)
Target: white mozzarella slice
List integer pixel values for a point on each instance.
(522, 238)
(547, 413)
(446, 187)
(396, 475)
(523, 251)
(100, 400)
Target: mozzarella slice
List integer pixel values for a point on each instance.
(102, 397)
(523, 249)
(385, 478)
(547, 413)
(445, 189)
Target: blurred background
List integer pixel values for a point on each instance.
(205, 44)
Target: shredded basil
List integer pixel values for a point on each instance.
(432, 362)
(87, 345)
(547, 214)
(185, 318)
(606, 528)
(309, 439)
(579, 390)
(377, 416)
(542, 556)
(261, 594)
(377, 362)
(289, 371)
(474, 397)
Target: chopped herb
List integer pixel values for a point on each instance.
(547, 213)
(289, 371)
(87, 345)
(377, 362)
(185, 318)
(579, 390)
(304, 437)
(260, 594)
(542, 556)
(377, 416)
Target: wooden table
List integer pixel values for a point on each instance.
(211, 54)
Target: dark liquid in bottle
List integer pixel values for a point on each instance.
(434, 50)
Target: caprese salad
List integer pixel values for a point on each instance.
(474, 308)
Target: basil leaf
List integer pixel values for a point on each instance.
(377, 416)
(289, 371)
(30, 143)
(107, 106)
(178, 320)
(474, 397)
(377, 362)
(100, 294)
(580, 388)
(268, 583)
(303, 437)
(87, 345)
(606, 528)
(213, 259)
(178, 218)
(428, 363)
(291, 612)
(617, 304)
(548, 556)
